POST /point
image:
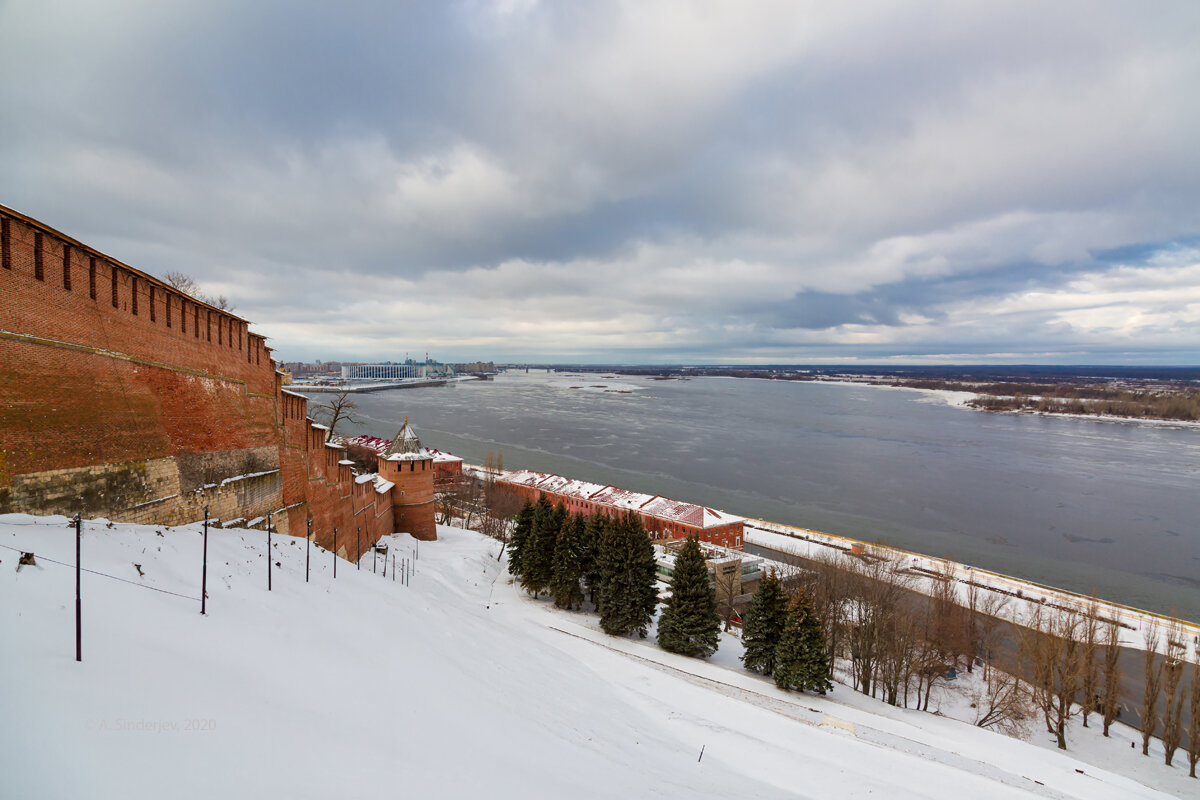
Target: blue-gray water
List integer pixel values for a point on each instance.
(1080, 504)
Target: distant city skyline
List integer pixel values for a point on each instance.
(720, 183)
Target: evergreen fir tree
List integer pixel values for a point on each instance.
(567, 571)
(517, 541)
(537, 552)
(689, 624)
(764, 624)
(560, 516)
(628, 595)
(801, 661)
(590, 554)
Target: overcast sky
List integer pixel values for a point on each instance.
(635, 182)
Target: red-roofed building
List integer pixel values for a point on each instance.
(663, 518)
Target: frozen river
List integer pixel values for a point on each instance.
(1080, 504)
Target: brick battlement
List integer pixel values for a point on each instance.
(65, 291)
(121, 396)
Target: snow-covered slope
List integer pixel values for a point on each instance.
(454, 686)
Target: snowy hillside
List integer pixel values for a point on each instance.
(454, 686)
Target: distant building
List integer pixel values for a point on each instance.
(732, 572)
(664, 519)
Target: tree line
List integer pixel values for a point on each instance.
(610, 563)
(898, 641)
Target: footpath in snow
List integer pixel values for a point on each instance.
(454, 685)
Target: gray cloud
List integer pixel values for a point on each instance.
(630, 182)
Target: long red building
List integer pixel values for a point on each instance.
(662, 517)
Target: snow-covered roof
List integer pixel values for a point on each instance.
(687, 513)
(381, 446)
(420, 455)
(382, 486)
(406, 446)
(372, 442)
(614, 497)
(365, 478)
(441, 458)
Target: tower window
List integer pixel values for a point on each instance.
(67, 267)
(113, 270)
(92, 277)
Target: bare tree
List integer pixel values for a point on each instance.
(504, 506)
(989, 631)
(187, 284)
(1111, 701)
(1154, 675)
(1172, 716)
(1193, 747)
(1053, 651)
(875, 606)
(468, 499)
(500, 505)
(1089, 695)
(340, 408)
(726, 584)
(828, 586)
(444, 499)
(1003, 704)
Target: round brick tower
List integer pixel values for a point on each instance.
(409, 468)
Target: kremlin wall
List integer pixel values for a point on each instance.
(122, 397)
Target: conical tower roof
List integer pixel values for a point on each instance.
(406, 445)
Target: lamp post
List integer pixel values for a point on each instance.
(307, 547)
(204, 568)
(268, 551)
(78, 603)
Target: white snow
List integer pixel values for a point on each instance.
(247, 476)
(457, 685)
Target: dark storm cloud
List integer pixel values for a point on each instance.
(631, 181)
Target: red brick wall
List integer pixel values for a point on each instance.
(103, 364)
(83, 381)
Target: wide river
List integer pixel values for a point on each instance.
(1075, 503)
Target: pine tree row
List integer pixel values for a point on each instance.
(784, 639)
(610, 561)
(607, 559)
